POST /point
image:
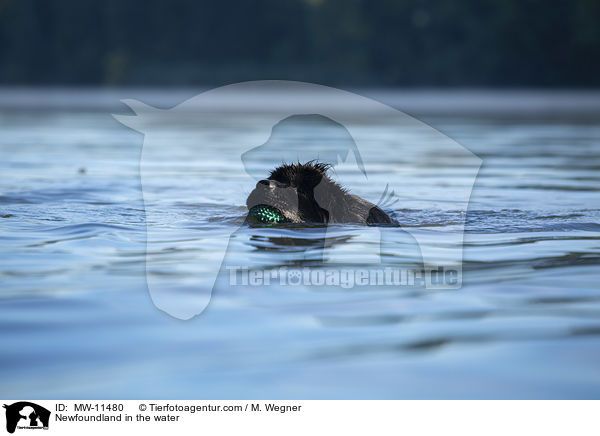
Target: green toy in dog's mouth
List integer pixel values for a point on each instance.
(267, 214)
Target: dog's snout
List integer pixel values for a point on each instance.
(272, 184)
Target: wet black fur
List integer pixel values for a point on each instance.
(304, 193)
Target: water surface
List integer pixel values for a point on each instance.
(78, 322)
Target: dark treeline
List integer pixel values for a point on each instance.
(350, 42)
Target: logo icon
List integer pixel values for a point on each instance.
(266, 124)
(26, 415)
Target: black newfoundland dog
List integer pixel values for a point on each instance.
(304, 193)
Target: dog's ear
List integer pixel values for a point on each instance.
(310, 174)
(305, 177)
(308, 177)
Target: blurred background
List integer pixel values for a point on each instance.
(333, 42)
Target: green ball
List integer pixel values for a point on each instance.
(267, 214)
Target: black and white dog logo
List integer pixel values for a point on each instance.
(26, 415)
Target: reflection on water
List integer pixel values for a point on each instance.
(77, 320)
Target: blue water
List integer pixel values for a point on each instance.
(77, 320)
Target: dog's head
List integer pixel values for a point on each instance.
(288, 194)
